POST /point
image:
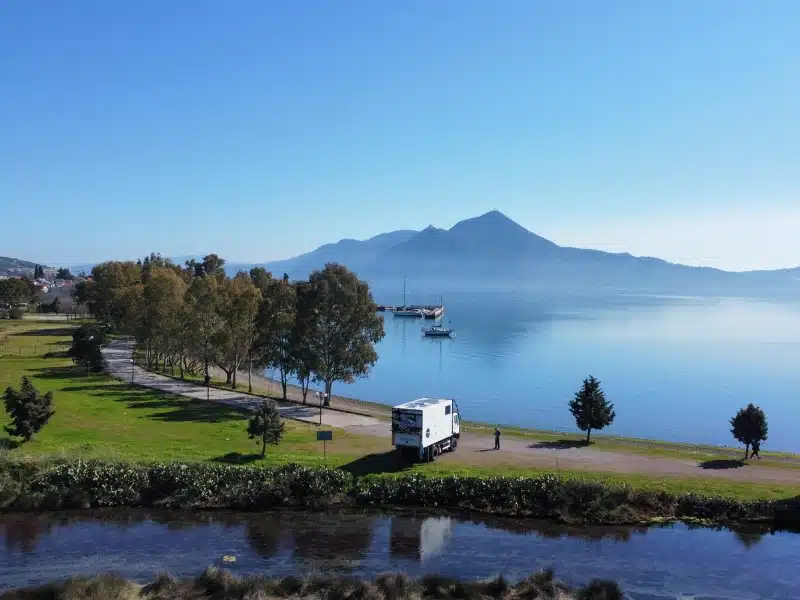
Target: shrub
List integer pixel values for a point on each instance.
(29, 410)
(85, 484)
(15, 313)
(223, 585)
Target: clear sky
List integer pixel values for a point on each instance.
(260, 129)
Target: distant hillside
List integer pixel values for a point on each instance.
(15, 266)
(492, 246)
(356, 254)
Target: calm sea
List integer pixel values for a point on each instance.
(676, 368)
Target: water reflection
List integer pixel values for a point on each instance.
(666, 562)
(325, 536)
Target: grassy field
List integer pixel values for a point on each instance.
(99, 417)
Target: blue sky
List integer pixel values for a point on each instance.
(260, 130)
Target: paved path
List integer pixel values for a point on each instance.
(118, 355)
(473, 449)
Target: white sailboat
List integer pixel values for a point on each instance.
(438, 330)
(405, 310)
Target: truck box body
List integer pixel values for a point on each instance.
(425, 422)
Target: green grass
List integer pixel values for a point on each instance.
(99, 417)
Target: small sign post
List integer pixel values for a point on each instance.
(324, 437)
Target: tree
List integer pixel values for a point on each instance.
(344, 326)
(112, 294)
(163, 297)
(238, 305)
(590, 408)
(265, 425)
(38, 272)
(276, 317)
(29, 410)
(85, 348)
(749, 426)
(303, 357)
(55, 305)
(64, 273)
(15, 290)
(204, 298)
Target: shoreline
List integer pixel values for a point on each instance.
(272, 389)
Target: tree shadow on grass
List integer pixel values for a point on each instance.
(379, 462)
(9, 444)
(237, 458)
(61, 372)
(182, 410)
(559, 444)
(720, 463)
(52, 332)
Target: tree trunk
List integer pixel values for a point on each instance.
(249, 374)
(304, 382)
(328, 388)
(233, 383)
(589, 436)
(263, 444)
(746, 450)
(284, 381)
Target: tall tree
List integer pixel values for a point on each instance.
(204, 298)
(265, 425)
(163, 298)
(590, 408)
(109, 294)
(345, 326)
(29, 410)
(276, 317)
(64, 273)
(14, 291)
(238, 306)
(304, 361)
(749, 425)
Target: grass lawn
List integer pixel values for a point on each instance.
(99, 417)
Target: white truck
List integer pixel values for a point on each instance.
(424, 428)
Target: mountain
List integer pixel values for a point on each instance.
(15, 266)
(356, 254)
(493, 247)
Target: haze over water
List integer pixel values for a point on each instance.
(676, 368)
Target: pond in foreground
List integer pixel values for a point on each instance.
(670, 562)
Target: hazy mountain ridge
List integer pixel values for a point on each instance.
(16, 266)
(494, 246)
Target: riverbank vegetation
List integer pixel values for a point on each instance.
(219, 584)
(198, 486)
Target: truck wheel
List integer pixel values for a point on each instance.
(436, 451)
(453, 444)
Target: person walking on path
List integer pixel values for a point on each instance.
(756, 448)
(496, 438)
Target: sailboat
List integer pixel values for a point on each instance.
(438, 330)
(405, 310)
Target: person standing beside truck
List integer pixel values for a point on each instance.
(496, 438)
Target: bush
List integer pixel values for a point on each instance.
(223, 585)
(15, 313)
(86, 484)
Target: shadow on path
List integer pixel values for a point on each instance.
(379, 462)
(721, 464)
(559, 445)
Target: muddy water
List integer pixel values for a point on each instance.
(671, 562)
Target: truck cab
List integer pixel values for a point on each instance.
(424, 428)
